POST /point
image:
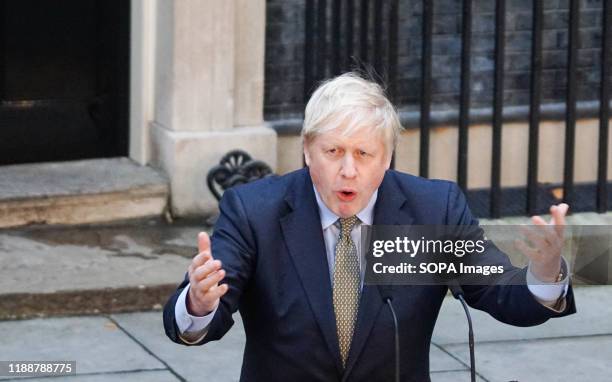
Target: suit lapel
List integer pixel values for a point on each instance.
(304, 238)
(388, 211)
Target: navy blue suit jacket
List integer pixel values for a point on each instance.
(269, 239)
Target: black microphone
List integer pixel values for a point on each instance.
(385, 294)
(457, 292)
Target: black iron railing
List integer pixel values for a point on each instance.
(376, 23)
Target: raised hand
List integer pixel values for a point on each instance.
(205, 273)
(546, 244)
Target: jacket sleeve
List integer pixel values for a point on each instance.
(507, 298)
(233, 243)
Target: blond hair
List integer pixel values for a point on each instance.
(352, 103)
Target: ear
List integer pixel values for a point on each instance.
(306, 154)
(388, 160)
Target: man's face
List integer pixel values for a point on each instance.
(346, 170)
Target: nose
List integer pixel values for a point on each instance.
(348, 169)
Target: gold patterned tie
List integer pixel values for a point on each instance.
(346, 286)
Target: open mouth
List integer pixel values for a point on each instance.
(346, 195)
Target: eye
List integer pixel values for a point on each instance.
(363, 153)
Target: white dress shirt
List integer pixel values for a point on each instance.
(194, 328)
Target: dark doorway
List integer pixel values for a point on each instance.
(64, 73)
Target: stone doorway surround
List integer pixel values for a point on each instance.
(197, 80)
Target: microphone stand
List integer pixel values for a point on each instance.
(397, 347)
(458, 294)
(387, 298)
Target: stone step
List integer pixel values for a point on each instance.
(95, 269)
(78, 192)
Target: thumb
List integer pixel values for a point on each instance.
(203, 242)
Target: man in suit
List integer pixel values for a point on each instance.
(285, 252)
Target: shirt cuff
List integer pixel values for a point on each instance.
(548, 292)
(187, 322)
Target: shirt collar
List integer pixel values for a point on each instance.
(366, 215)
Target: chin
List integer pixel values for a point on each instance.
(345, 211)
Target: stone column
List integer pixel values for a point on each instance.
(249, 61)
(208, 93)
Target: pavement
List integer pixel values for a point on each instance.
(93, 294)
(93, 269)
(133, 346)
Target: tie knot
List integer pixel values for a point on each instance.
(347, 224)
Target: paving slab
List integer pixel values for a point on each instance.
(133, 346)
(224, 355)
(95, 343)
(594, 306)
(452, 376)
(223, 358)
(441, 361)
(586, 359)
